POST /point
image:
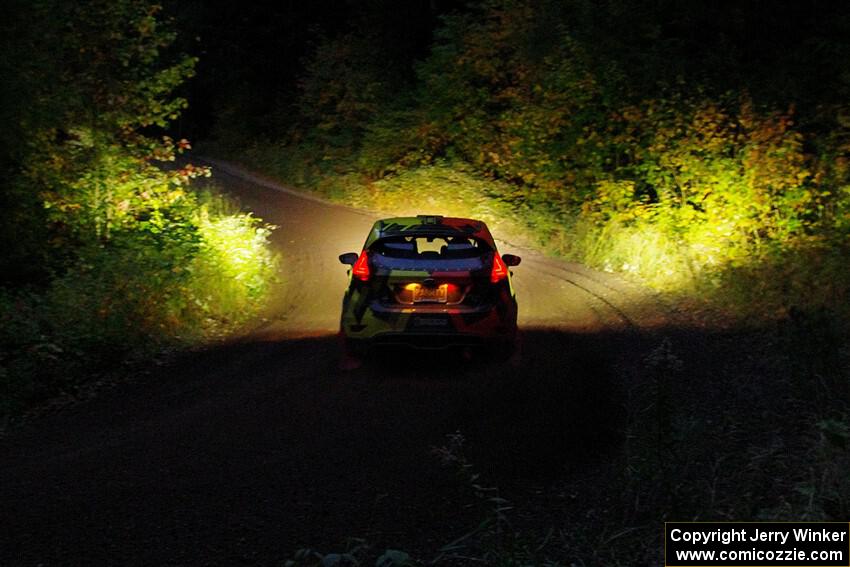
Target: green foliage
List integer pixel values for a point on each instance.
(687, 188)
(129, 258)
(514, 106)
(96, 66)
(341, 89)
(439, 187)
(180, 273)
(232, 272)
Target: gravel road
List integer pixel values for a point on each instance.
(245, 452)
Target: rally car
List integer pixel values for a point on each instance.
(428, 282)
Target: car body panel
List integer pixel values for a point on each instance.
(459, 304)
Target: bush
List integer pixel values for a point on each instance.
(122, 256)
(515, 118)
(231, 275)
(127, 297)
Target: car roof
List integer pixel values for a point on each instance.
(432, 225)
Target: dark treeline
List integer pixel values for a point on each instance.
(698, 145)
(252, 55)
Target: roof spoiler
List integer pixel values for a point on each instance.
(430, 219)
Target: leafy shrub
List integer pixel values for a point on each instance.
(689, 188)
(132, 294)
(231, 274)
(129, 258)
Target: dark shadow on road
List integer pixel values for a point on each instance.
(248, 451)
(552, 408)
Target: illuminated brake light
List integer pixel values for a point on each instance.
(360, 270)
(500, 270)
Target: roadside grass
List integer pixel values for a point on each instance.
(129, 300)
(697, 274)
(233, 272)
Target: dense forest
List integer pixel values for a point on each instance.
(699, 151)
(700, 147)
(704, 150)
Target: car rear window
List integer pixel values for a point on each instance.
(422, 247)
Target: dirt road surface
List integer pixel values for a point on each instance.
(246, 452)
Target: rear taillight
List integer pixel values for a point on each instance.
(500, 270)
(360, 270)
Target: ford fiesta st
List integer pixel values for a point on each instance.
(428, 282)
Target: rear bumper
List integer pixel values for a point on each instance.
(434, 326)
